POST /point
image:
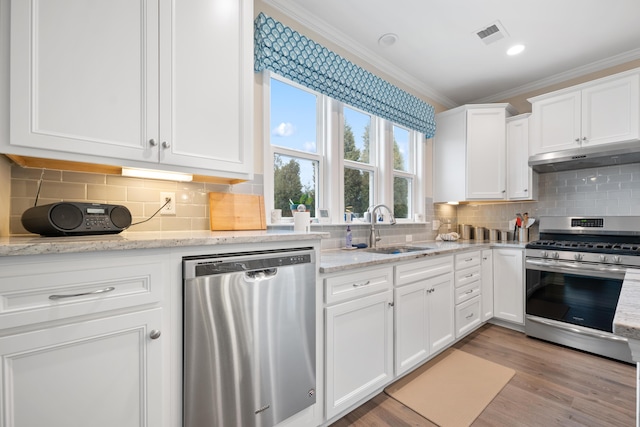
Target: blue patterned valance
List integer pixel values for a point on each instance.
(286, 52)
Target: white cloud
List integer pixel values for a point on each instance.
(284, 129)
(310, 146)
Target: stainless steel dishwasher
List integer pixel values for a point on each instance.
(249, 337)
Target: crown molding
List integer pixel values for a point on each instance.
(594, 67)
(298, 14)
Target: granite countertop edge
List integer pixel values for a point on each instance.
(36, 245)
(626, 322)
(337, 260)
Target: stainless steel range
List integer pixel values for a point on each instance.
(574, 274)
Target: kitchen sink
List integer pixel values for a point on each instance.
(397, 249)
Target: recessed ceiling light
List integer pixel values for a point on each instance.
(514, 50)
(388, 39)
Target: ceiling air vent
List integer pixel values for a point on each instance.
(492, 33)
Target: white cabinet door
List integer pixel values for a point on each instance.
(411, 326)
(424, 320)
(611, 112)
(99, 373)
(359, 349)
(508, 280)
(487, 285)
(207, 84)
(520, 177)
(556, 123)
(441, 312)
(486, 151)
(84, 77)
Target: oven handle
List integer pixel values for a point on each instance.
(577, 268)
(570, 328)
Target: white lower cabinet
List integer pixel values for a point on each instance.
(508, 276)
(99, 373)
(424, 322)
(358, 344)
(487, 284)
(82, 340)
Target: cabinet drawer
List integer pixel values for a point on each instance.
(466, 276)
(467, 316)
(467, 259)
(66, 286)
(422, 270)
(357, 284)
(467, 292)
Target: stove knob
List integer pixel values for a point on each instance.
(544, 254)
(616, 259)
(603, 258)
(578, 257)
(555, 255)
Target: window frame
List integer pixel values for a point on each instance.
(330, 155)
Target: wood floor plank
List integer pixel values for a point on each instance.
(553, 386)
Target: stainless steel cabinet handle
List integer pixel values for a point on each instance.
(154, 334)
(391, 304)
(359, 285)
(526, 190)
(468, 259)
(577, 139)
(584, 138)
(469, 292)
(469, 316)
(153, 142)
(99, 291)
(468, 275)
(165, 144)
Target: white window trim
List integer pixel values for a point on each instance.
(330, 155)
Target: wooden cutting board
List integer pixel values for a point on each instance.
(228, 211)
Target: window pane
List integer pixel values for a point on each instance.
(293, 117)
(356, 136)
(357, 190)
(401, 197)
(401, 149)
(294, 179)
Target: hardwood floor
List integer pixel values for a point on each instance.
(553, 386)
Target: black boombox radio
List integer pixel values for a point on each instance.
(76, 219)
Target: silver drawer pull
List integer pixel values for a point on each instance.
(359, 285)
(99, 291)
(468, 275)
(468, 259)
(469, 292)
(469, 316)
(155, 334)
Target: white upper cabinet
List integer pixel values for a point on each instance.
(470, 153)
(158, 84)
(603, 111)
(522, 181)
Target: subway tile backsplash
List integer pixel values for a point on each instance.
(612, 190)
(140, 196)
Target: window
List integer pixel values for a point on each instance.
(403, 172)
(359, 155)
(296, 159)
(326, 154)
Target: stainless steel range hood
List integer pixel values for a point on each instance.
(586, 157)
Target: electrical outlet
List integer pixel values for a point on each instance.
(170, 209)
(436, 225)
(409, 238)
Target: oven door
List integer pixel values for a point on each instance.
(574, 293)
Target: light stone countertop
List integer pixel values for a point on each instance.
(626, 322)
(336, 260)
(36, 245)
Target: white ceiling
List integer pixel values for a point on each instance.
(439, 54)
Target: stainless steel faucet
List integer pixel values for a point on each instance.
(373, 236)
